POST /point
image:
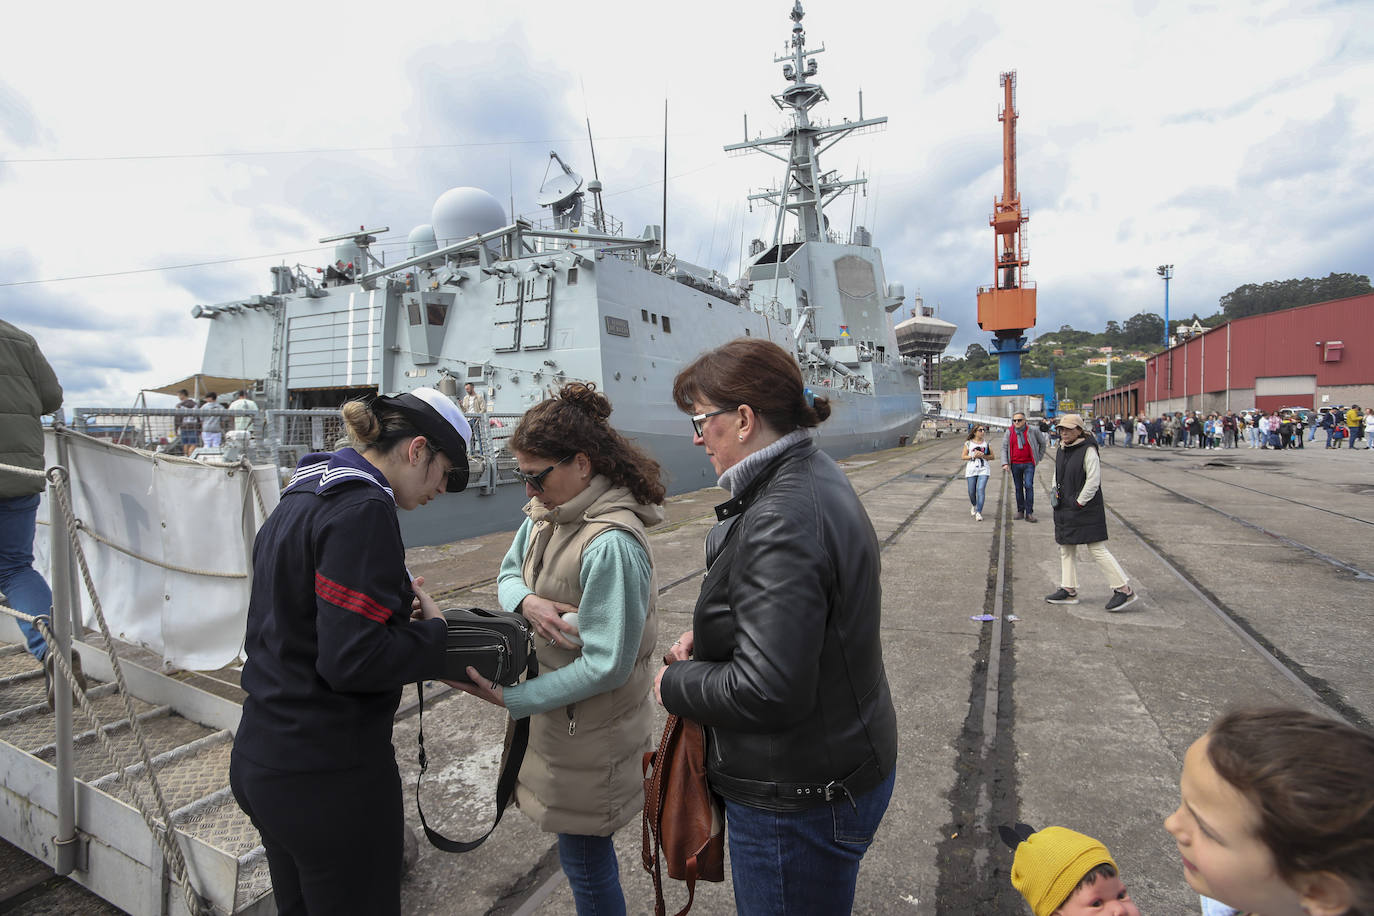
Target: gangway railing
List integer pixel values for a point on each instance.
(284, 436)
(93, 804)
(968, 416)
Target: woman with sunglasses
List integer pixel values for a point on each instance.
(784, 664)
(581, 571)
(976, 470)
(330, 642)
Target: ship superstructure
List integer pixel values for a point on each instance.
(518, 307)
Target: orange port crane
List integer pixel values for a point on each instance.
(1007, 308)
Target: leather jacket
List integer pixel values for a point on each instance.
(787, 668)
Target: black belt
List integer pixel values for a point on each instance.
(866, 777)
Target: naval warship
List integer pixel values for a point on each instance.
(518, 307)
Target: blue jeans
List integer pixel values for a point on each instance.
(1023, 476)
(978, 490)
(593, 874)
(25, 590)
(790, 863)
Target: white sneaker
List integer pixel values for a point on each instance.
(972, 511)
(977, 516)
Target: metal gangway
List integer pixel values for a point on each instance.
(122, 785)
(968, 416)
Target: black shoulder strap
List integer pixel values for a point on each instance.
(505, 784)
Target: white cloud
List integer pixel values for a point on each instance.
(1232, 140)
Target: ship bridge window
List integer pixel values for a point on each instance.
(413, 313)
(653, 319)
(437, 312)
(572, 276)
(643, 314)
(667, 325)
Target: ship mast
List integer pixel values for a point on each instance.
(806, 189)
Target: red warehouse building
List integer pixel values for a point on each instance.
(1314, 356)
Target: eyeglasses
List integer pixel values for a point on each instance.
(1018, 419)
(537, 480)
(703, 417)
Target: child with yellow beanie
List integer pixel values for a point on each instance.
(1061, 872)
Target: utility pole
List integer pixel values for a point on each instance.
(1167, 272)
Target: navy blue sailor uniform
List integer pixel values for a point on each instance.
(329, 645)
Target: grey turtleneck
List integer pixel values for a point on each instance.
(738, 476)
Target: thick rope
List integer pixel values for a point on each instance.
(94, 535)
(23, 472)
(247, 467)
(171, 850)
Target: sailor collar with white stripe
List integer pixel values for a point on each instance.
(321, 471)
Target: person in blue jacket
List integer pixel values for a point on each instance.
(330, 642)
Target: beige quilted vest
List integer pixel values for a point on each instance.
(583, 771)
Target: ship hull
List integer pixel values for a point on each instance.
(685, 468)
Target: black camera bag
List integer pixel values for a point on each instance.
(500, 646)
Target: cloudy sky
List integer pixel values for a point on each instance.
(158, 155)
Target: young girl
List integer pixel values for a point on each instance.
(976, 469)
(1277, 815)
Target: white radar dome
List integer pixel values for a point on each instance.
(460, 213)
(421, 240)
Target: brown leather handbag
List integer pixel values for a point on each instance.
(682, 816)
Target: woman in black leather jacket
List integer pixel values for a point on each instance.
(783, 663)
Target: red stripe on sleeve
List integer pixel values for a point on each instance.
(350, 600)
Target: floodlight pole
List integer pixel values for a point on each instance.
(1167, 272)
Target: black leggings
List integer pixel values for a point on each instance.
(333, 839)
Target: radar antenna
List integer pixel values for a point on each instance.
(563, 193)
(807, 188)
(362, 239)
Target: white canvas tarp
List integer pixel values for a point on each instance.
(162, 512)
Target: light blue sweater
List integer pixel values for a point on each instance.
(616, 578)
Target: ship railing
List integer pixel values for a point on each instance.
(605, 225)
(158, 429)
(1025, 284)
(284, 436)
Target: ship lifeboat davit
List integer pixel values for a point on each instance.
(461, 213)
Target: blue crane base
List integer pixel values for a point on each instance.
(1017, 387)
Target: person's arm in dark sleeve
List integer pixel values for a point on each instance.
(45, 381)
(367, 642)
(779, 597)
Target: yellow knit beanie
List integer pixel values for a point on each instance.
(1049, 864)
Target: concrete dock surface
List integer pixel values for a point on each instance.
(1255, 571)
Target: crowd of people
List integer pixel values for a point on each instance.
(1258, 429)
(200, 423)
(782, 665)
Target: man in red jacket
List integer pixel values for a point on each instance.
(1022, 450)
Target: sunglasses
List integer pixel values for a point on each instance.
(536, 481)
(1018, 419)
(456, 477)
(701, 418)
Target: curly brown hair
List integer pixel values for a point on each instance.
(755, 372)
(1309, 778)
(576, 421)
